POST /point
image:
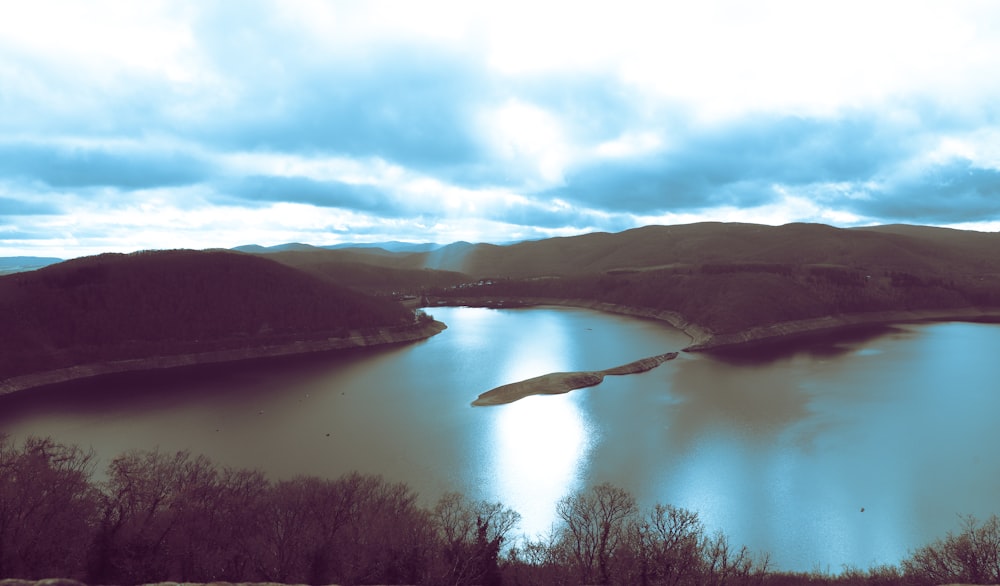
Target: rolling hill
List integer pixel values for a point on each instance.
(741, 282)
(116, 307)
(923, 250)
(917, 249)
(368, 270)
(732, 282)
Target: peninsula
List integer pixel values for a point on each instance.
(563, 382)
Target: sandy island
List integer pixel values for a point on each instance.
(562, 382)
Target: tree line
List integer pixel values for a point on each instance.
(156, 516)
(729, 297)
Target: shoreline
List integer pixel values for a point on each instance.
(557, 383)
(704, 339)
(789, 330)
(381, 337)
(697, 333)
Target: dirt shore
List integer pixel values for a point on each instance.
(832, 323)
(379, 337)
(704, 339)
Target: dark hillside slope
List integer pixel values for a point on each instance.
(913, 249)
(917, 250)
(978, 250)
(114, 306)
(732, 278)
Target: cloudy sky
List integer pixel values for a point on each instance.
(136, 125)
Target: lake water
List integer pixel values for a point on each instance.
(780, 452)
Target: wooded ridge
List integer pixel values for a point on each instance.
(153, 305)
(724, 284)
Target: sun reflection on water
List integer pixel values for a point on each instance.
(540, 445)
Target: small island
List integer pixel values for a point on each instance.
(562, 382)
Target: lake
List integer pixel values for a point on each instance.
(780, 451)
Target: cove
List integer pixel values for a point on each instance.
(780, 451)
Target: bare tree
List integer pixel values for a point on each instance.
(241, 514)
(385, 533)
(594, 524)
(45, 501)
(288, 524)
(724, 565)
(670, 539)
(147, 499)
(972, 556)
(470, 537)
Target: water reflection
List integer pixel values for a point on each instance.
(786, 450)
(545, 348)
(541, 442)
(721, 397)
(821, 345)
(781, 454)
(540, 445)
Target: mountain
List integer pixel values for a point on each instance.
(899, 248)
(257, 249)
(711, 242)
(369, 269)
(17, 264)
(735, 279)
(115, 306)
(390, 246)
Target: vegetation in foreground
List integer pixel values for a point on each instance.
(156, 517)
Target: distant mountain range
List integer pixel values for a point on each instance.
(18, 264)
(896, 247)
(391, 246)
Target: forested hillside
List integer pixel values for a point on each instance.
(730, 277)
(911, 249)
(729, 297)
(115, 306)
(917, 250)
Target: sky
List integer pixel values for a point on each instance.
(197, 124)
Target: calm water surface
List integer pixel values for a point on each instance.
(781, 453)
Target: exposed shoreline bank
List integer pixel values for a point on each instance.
(704, 339)
(697, 333)
(830, 324)
(557, 383)
(380, 337)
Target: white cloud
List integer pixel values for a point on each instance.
(630, 144)
(469, 120)
(101, 35)
(528, 140)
